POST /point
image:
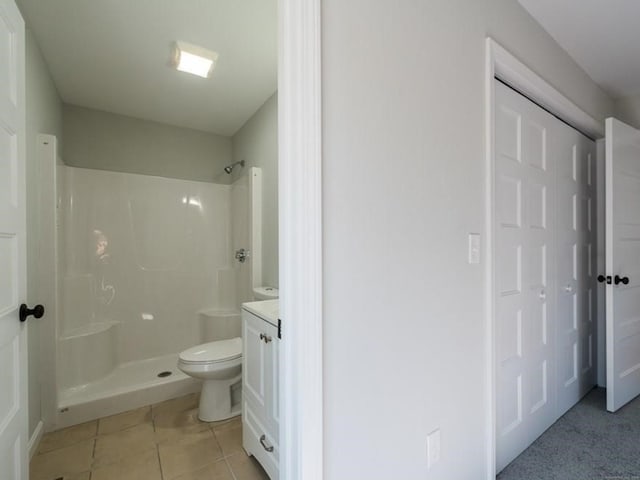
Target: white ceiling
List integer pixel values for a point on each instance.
(113, 55)
(602, 36)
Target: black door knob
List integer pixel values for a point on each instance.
(624, 280)
(37, 312)
(602, 279)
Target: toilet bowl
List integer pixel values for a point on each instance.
(219, 366)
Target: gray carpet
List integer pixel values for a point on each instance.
(587, 443)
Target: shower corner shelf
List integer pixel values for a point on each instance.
(89, 329)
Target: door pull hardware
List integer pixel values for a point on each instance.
(280, 329)
(602, 279)
(25, 312)
(263, 442)
(265, 337)
(542, 294)
(618, 280)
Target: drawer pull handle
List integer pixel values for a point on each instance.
(263, 442)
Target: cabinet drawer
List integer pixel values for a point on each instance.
(252, 432)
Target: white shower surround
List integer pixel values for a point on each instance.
(146, 271)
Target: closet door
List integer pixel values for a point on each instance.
(524, 265)
(543, 263)
(575, 201)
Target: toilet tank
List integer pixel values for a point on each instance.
(219, 325)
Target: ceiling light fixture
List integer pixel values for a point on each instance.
(193, 59)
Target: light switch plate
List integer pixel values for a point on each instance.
(433, 448)
(474, 248)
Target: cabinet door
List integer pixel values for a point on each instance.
(260, 391)
(254, 382)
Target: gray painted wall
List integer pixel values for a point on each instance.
(403, 185)
(627, 109)
(107, 141)
(257, 143)
(43, 115)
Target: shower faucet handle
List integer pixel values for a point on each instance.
(242, 255)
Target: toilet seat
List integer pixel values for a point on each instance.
(213, 352)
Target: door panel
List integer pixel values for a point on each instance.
(13, 369)
(622, 181)
(575, 276)
(524, 266)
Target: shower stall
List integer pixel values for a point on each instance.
(145, 267)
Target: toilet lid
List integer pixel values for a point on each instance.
(213, 352)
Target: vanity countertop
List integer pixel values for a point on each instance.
(268, 310)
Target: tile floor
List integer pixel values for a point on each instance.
(165, 441)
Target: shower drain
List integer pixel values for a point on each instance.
(164, 374)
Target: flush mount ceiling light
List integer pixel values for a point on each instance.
(193, 59)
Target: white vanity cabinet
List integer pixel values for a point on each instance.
(260, 414)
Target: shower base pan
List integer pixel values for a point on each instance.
(130, 385)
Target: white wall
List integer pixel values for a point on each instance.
(257, 143)
(627, 109)
(106, 141)
(43, 115)
(403, 185)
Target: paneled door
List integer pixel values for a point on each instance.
(525, 273)
(576, 256)
(13, 368)
(543, 261)
(622, 180)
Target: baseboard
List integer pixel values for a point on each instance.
(34, 441)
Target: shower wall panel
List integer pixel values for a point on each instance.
(142, 255)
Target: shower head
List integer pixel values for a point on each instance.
(229, 168)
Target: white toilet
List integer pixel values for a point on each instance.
(219, 365)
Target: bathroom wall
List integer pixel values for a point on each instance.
(404, 324)
(257, 144)
(627, 109)
(143, 254)
(43, 115)
(106, 141)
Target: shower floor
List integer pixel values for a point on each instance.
(129, 386)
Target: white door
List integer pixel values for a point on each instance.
(576, 256)
(525, 287)
(622, 263)
(544, 333)
(13, 368)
